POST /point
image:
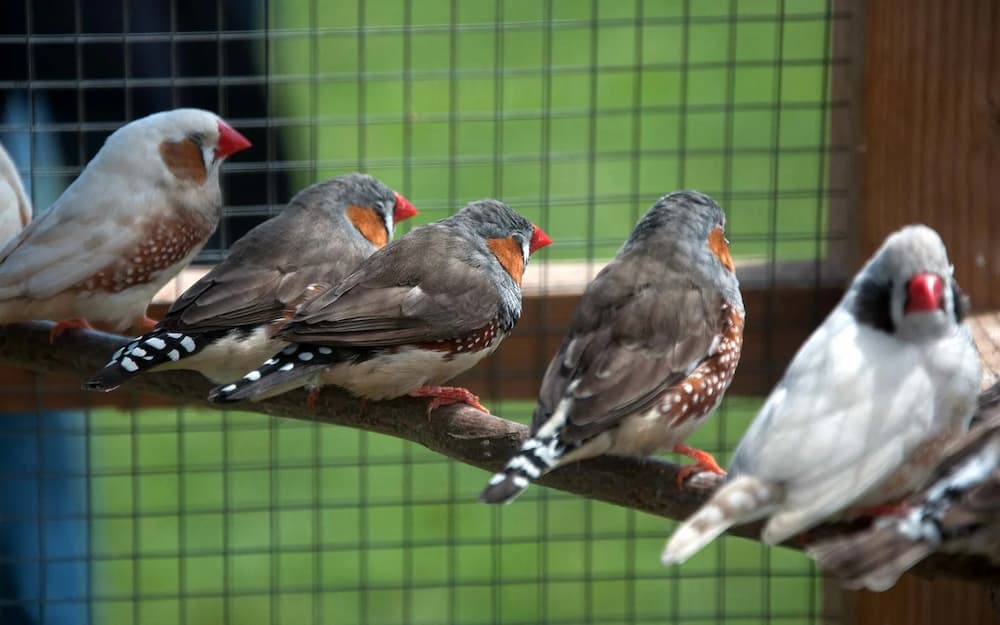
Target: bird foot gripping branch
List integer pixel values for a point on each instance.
(447, 395)
(68, 324)
(703, 462)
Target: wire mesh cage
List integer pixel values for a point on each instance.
(579, 115)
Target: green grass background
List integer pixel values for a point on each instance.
(580, 126)
(206, 518)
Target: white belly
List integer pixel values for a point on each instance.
(229, 358)
(394, 375)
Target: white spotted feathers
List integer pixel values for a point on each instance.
(144, 352)
(277, 374)
(703, 389)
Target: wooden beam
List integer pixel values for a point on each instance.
(932, 131)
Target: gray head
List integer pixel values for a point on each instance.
(503, 229)
(907, 288)
(366, 202)
(688, 227)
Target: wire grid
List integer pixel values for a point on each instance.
(578, 114)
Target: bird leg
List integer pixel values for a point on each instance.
(704, 462)
(446, 395)
(66, 324)
(312, 398)
(145, 325)
(885, 509)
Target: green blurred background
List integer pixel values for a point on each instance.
(578, 114)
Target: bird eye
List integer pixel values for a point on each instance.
(197, 137)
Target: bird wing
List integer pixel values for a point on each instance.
(638, 331)
(15, 207)
(85, 231)
(268, 273)
(427, 286)
(851, 407)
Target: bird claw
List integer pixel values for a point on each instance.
(703, 462)
(146, 324)
(447, 395)
(67, 324)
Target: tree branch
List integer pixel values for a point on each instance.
(459, 432)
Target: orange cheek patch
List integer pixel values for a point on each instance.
(508, 252)
(183, 158)
(369, 224)
(717, 243)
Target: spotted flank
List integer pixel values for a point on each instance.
(538, 456)
(144, 353)
(290, 368)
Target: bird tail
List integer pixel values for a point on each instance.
(741, 500)
(538, 455)
(295, 366)
(143, 353)
(873, 559)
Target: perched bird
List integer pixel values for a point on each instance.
(222, 325)
(136, 215)
(15, 207)
(650, 351)
(958, 512)
(415, 314)
(888, 379)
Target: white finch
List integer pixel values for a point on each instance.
(15, 207)
(889, 378)
(136, 215)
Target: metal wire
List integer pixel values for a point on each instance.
(577, 114)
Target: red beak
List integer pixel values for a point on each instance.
(538, 240)
(923, 293)
(403, 211)
(230, 141)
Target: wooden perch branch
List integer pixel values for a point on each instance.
(458, 432)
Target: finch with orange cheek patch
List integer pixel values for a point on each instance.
(650, 352)
(137, 214)
(415, 314)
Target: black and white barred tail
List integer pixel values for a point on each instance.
(537, 456)
(288, 369)
(144, 353)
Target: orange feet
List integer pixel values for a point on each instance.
(885, 509)
(66, 324)
(704, 462)
(445, 395)
(145, 324)
(312, 398)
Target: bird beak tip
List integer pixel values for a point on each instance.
(230, 141)
(404, 209)
(539, 239)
